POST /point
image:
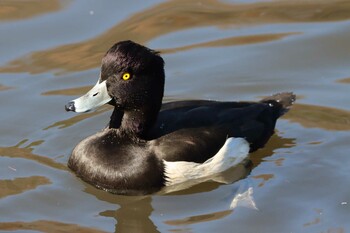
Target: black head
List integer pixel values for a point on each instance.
(134, 75)
(131, 79)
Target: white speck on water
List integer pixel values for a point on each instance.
(91, 12)
(12, 168)
(344, 203)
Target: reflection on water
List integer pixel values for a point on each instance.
(311, 116)
(275, 142)
(77, 118)
(21, 184)
(200, 218)
(181, 15)
(133, 216)
(26, 153)
(71, 91)
(3, 88)
(264, 177)
(345, 80)
(46, 226)
(240, 40)
(20, 9)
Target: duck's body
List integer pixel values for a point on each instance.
(148, 145)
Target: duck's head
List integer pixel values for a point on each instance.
(131, 78)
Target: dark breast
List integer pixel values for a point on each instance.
(117, 164)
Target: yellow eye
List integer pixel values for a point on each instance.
(126, 76)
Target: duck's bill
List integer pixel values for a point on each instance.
(96, 97)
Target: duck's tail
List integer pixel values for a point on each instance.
(280, 102)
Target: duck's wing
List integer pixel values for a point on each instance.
(196, 130)
(196, 133)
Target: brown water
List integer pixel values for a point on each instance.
(224, 50)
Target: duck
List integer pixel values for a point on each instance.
(147, 144)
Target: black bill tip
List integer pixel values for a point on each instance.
(70, 106)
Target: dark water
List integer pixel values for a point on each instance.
(224, 50)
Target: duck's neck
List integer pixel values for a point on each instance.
(116, 118)
(135, 123)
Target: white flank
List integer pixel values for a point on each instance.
(231, 154)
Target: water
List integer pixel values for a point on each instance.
(224, 50)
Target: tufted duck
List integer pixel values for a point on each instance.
(149, 145)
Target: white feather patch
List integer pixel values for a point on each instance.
(232, 153)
